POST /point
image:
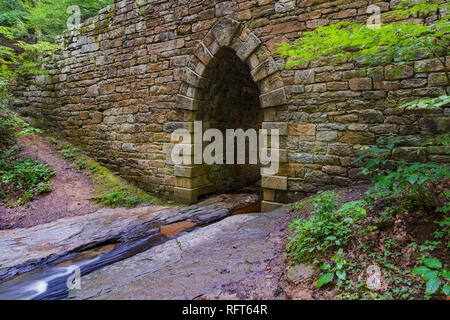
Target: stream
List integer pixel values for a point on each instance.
(51, 282)
(51, 278)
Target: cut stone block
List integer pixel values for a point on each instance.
(273, 98)
(274, 182)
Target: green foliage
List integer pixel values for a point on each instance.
(13, 64)
(23, 178)
(411, 182)
(411, 8)
(12, 125)
(429, 246)
(435, 276)
(68, 154)
(325, 279)
(26, 173)
(445, 228)
(120, 199)
(132, 200)
(407, 184)
(427, 103)
(371, 46)
(398, 185)
(81, 164)
(389, 43)
(374, 158)
(328, 228)
(44, 19)
(336, 269)
(26, 60)
(24, 24)
(12, 13)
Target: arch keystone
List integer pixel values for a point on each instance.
(224, 31)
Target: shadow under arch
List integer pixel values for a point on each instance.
(230, 66)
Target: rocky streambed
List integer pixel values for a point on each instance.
(41, 259)
(239, 257)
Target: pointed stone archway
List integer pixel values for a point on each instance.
(226, 39)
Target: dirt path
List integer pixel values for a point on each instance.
(70, 191)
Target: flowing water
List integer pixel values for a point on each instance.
(51, 282)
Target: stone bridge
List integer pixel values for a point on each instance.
(142, 68)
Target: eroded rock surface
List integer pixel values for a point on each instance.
(236, 258)
(22, 250)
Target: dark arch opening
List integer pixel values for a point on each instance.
(231, 101)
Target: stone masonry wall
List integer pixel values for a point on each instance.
(136, 72)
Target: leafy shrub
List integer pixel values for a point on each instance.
(131, 201)
(328, 228)
(26, 173)
(414, 183)
(337, 269)
(114, 199)
(23, 177)
(398, 185)
(374, 159)
(407, 184)
(44, 19)
(434, 275)
(14, 64)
